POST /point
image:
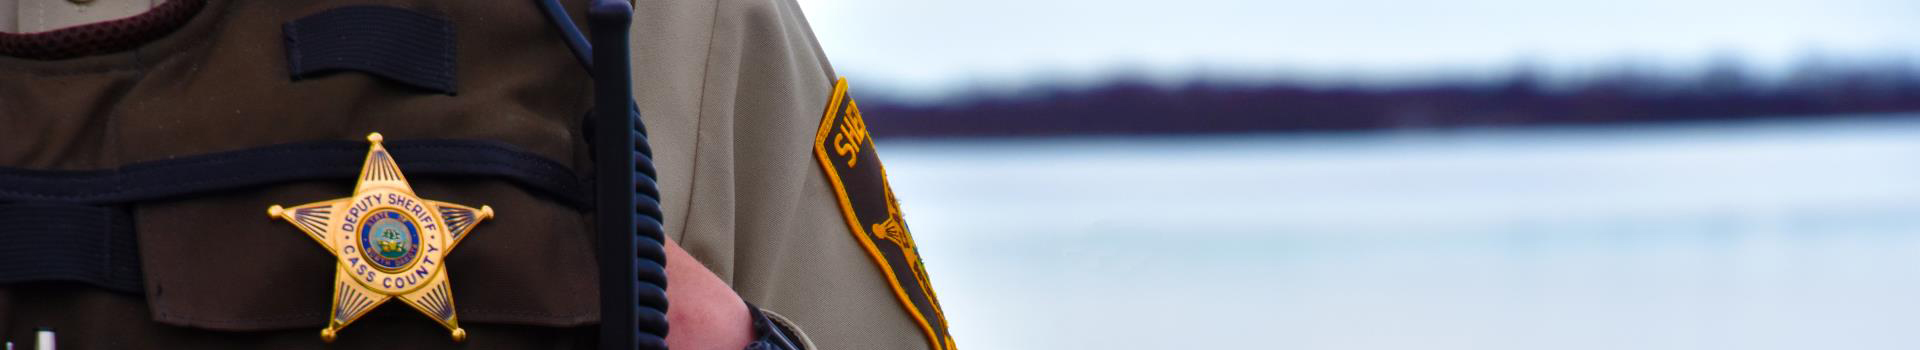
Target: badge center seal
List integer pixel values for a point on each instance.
(390, 242)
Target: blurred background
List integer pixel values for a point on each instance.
(1391, 174)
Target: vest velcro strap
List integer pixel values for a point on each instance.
(321, 160)
(406, 46)
(46, 242)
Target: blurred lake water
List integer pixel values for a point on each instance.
(1786, 234)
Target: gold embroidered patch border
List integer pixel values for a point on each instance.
(845, 150)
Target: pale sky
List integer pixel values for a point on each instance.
(930, 47)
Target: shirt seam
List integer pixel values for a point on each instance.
(699, 120)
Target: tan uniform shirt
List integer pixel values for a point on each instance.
(734, 92)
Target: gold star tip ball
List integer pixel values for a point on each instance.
(389, 242)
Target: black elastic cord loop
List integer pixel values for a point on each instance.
(582, 50)
(276, 164)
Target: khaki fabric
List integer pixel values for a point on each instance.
(27, 16)
(733, 93)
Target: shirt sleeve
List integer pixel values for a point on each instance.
(732, 93)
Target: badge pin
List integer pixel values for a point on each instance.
(389, 244)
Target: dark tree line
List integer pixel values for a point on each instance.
(1135, 107)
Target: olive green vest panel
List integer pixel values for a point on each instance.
(221, 83)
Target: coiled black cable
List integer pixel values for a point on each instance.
(632, 254)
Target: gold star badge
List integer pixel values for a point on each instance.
(389, 243)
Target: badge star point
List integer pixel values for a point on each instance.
(389, 243)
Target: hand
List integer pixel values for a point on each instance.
(703, 312)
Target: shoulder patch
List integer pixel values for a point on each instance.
(853, 169)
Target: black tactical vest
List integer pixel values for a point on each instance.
(137, 158)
